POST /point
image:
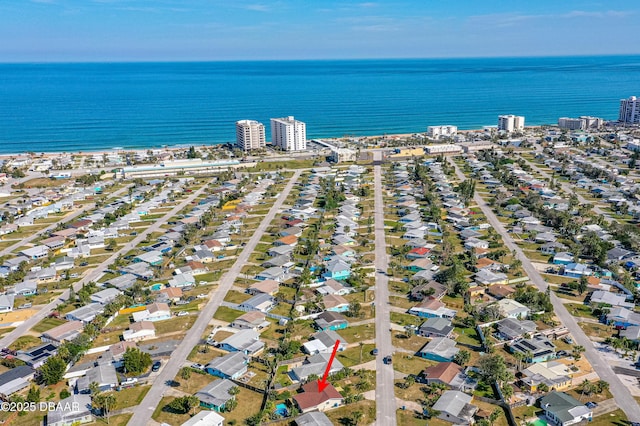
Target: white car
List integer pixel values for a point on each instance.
(202, 296)
(182, 313)
(130, 381)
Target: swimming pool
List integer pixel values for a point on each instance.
(281, 409)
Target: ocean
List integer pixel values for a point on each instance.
(97, 106)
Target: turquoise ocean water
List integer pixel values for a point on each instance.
(82, 107)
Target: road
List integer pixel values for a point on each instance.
(385, 399)
(144, 410)
(623, 397)
(96, 272)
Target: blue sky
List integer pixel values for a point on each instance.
(164, 30)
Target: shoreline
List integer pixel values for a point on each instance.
(171, 148)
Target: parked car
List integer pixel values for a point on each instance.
(561, 354)
(197, 366)
(84, 264)
(388, 359)
(182, 302)
(182, 313)
(374, 352)
(568, 340)
(591, 404)
(130, 381)
(25, 306)
(156, 366)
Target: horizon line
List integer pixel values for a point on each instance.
(155, 61)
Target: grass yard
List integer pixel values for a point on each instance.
(47, 324)
(359, 333)
(236, 297)
(406, 319)
(195, 382)
(413, 343)
(410, 418)
(224, 313)
(174, 324)
(163, 413)
(410, 364)
(599, 331)
(351, 356)
(342, 415)
(580, 310)
(25, 342)
(130, 396)
(616, 418)
(249, 403)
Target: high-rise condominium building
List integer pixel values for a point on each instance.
(250, 135)
(510, 123)
(629, 111)
(581, 123)
(437, 132)
(289, 134)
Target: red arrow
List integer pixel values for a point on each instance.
(323, 383)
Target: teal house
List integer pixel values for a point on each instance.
(216, 394)
(337, 269)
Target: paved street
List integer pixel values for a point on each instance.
(95, 273)
(385, 400)
(142, 413)
(623, 397)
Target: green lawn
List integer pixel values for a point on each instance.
(224, 313)
(47, 324)
(351, 356)
(25, 342)
(236, 297)
(130, 396)
(174, 324)
(410, 364)
(358, 333)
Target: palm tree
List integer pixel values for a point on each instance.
(356, 416)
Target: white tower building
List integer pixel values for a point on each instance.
(250, 135)
(289, 134)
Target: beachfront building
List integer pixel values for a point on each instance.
(437, 132)
(510, 123)
(289, 134)
(629, 111)
(581, 123)
(250, 135)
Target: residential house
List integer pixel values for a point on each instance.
(512, 309)
(441, 349)
(182, 280)
(513, 328)
(6, 302)
(269, 287)
(472, 243)
(534, 349)
(436, 327)
(337, 269)
(289, 240)
(260, 302)
(117, 350)
(86, 313)
(25, 288)
(449, 374)
(313, 418)
(563, 410)
(253, 320)
(552, 248)
(63, 263)
(105, 296)
(275, 273)
(420, 265)
(138, 331)
(455, 407)
(216, 394)
(63, 333)
(153, 312)
(311, 399)
(563, 258)
(246, 341)
(153, 258)
(332, 286)
(315, 365)
(418, 253)
(103, 374)
(140, 270)
(205, 418)
(609, 298)
(121, 282)
(330, 320)
(335, 303)
(230, 366)
(280, 251)
(555, 375)
(35, 357)
(36, 252)
(432, 307)
(427, 289)
(487, 277)
(622, 318)
(16, 379)
(323, 342)
(576, 270)
(73, 410)
(500, 291)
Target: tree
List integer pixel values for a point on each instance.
(112, 245)
(34, 394)
(105, 403)
(577, 351)
(53, 370)
(354, 309)
(462, 357)
(495, 415)
(494, 369)
(185, 373)
(582, 285)
(136, 361)
(94, 388)
(356, 416)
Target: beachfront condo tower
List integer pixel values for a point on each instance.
(510, 123)
(289, 134)
(250, 135)
(629, 111)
